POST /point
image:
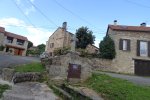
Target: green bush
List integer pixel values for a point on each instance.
(107, 48)
(2, 48)
(61, 51)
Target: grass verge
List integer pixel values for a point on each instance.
(3, 88)
(116, 89)
(32, 67)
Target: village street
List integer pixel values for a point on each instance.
(10, 61)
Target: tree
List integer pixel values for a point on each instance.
(107, 48)
(41, 48)
(30, 44)
(85, 37)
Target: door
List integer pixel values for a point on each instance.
(74, 71)
(16, 51)
(142, 67)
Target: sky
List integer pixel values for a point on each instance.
(38, 19)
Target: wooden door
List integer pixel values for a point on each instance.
(16, 51)
(142, 67)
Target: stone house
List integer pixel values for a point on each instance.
(132, 44)
(14, 44)
(59, 39)
(92, 49)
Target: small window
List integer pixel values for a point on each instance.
(143, 48)
(124, 44)
(51, 45)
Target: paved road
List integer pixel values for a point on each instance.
(135, 79)
(10, 61)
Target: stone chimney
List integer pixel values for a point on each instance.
(64, 25)
(115, 22)
(143, 24)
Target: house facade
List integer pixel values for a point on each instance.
(14, 44)
(59, 39)
(132, 44)
(92, 49)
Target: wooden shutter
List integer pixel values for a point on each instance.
(120, 44)
(148, 48)
(128, 45)
(138, 47)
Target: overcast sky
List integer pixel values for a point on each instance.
(38, 19)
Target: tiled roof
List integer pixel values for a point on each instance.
(16, 36)
(129, 28)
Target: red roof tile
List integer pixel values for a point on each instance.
(16, 36)
(129, 28)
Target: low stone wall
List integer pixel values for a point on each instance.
(23, 77)
(101, 64)
(10, 75)
(7, 74)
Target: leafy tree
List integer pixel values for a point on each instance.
(107, 48)
(85, 37)
(41, 48)
(30, 44)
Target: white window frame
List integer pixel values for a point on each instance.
(124, 44)
(145, 48)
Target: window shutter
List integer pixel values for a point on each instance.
(120, 44)
(148, 48)
(128, 45)
(138, 47)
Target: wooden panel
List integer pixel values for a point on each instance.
(142, 67)
(74, 71)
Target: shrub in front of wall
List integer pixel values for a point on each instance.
(2, 48)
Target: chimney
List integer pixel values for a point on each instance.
(115, 22)
(64, 25)
(143, 24)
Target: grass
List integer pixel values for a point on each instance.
(32, 67)
(3, 88)
(117, 89)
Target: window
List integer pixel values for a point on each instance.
(51, 45)
(20, 42)
(142, 48)
(9, 39)
(124, 44)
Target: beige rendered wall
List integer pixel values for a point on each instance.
(124, 61)
(15, 44)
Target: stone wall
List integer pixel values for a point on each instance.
(58, 66)
(58, 39)
(28, 76)
(101, 64)
(10, 75)
(1, 38)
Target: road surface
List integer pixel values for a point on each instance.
(139, 80)
(10, 61)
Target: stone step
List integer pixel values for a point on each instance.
(29, 91)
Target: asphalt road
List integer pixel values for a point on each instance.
(139, 80)
(10, 61)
